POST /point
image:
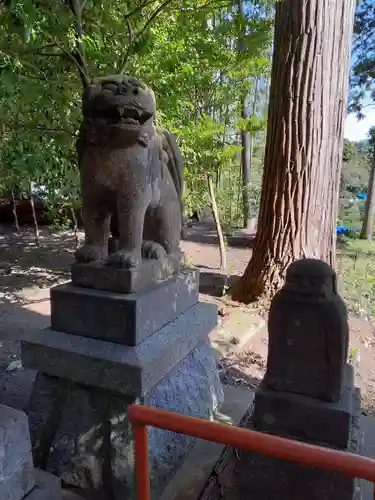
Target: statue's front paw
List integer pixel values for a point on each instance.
(89, 253)
(124, 259)
(152, 250)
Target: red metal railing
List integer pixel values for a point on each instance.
(306, 454)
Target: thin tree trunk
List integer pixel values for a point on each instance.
(308, 96)
(15, 215)
(253, 110)
(36, 227)
(215, 213)
(245, 164)
(366, 231)
(245, 136)
(75, 226)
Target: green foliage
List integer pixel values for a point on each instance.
(184, 49)
(356, 165)
(362, 80)
(349, 151)
(357, 159)
(356, 269)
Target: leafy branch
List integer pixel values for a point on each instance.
(135, 38)
(76, 7)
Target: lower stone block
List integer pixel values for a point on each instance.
(275, 479)
(14, 439)
(20, 481)
(334, 425)
(307, 418)
(16, 464)
(95, 451)
(47, 487)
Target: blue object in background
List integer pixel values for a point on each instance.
(361, 196)
(346, 229)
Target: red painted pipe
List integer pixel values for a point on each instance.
(141, 462)
(303, 453)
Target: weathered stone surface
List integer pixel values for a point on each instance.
(121, 318)
(131, 175)
(308, 333)
(121, 280)
(47, 487)
(15, 485)
(95, 451)
(303, 417)
(271, 479)
(14, 439)
(291, 480)
(79, 449)
(128, 370)
(193, 389)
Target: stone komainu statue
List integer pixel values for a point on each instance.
(131, 175)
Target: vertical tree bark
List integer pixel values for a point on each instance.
(366, 231)
(15, 215)
(307, 107)
(35, 219)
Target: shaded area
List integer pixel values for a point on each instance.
(24, 263)
(206, 235)
(215, 284)
(15, 323)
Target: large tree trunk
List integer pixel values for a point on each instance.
(366, 231)
(307, 108)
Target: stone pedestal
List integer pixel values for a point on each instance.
(308, 392)
(119, 317)
(18, 478)
(161, 358)
(330, 424)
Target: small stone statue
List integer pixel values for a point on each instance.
(308, 333)
(131, 176)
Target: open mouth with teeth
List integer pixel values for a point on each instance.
(133, 116)
(127, 117)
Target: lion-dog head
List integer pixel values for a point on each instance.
(119, 110)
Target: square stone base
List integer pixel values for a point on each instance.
(318, 422)
(274, 479)
(334, 425)
(242, 474)
(122, 318)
